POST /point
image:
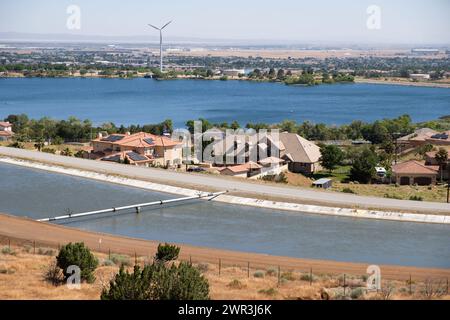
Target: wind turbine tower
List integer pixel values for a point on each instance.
(160, 43)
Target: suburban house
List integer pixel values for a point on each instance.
(301, 155)
(430, 160)
(6, 132)
(141, 148)
(417, 138)
(415, 172)
(247, 170)
(440, 139)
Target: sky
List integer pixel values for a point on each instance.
(401, 21)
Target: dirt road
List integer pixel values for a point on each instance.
(26, 231)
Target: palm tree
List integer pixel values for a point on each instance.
(441, 158)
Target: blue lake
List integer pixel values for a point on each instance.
(141, 101)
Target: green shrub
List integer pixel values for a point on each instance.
(416, 198)
(158, 282)
(108, 263)
(272, 272)
(167, 252)
(288, 276)
(348, 190)
(236, 284)
(268, 292)
(357, 293)
(202, 267)
(48, 150)
(76, 254)
(308, 277)
(120, 260)
(46, 251)
(7, 270)
(259, 274)
(54, 274)
(8, 250)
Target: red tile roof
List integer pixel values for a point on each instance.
(414, 167)
(5, 124)
(142, 140)
(243, 167)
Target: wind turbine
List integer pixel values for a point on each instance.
(160, 43)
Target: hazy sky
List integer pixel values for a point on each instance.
(402, 21)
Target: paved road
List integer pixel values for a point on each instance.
(237, 186)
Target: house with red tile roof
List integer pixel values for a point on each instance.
(139, 149)
(245, 170)
(6, 132)
(415, 172)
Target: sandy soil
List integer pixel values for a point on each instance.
(23, 268)
(25, 231)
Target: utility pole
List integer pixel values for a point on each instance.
(448, 183)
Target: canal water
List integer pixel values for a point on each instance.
(39, 194)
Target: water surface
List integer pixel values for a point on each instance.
(141, 101)
(39, 194)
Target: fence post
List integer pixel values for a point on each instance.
(344, 284)
(279, 275)
(220, 265)
(310, 276)
(447, 286)
(190, 259)
(410, 285)
(9, 243)
(109, 254)
(248, 271)
(34, 246)
(135, 258)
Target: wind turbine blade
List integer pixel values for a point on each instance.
(154, 27)
(166, 24)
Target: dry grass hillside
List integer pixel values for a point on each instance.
(22, 277)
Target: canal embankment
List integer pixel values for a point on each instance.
(388, 215)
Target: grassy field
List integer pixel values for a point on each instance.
(22, 277)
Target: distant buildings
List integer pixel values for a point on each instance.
(142, 149)
(233, 72)
(6, 132)
(425, 51)
(419, 76)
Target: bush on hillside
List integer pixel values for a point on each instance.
(158, 282)
(76, 254)
(167, 252)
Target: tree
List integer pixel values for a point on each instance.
(67, 152)
(272, 73)
(158, 282)
(235, 125)
(363, 167)
(441, 158)
(332, 156)
(167, 252)
(280, 74)
(76, 254)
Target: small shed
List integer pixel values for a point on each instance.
(323, 183)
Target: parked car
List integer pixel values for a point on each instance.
(195, 169)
